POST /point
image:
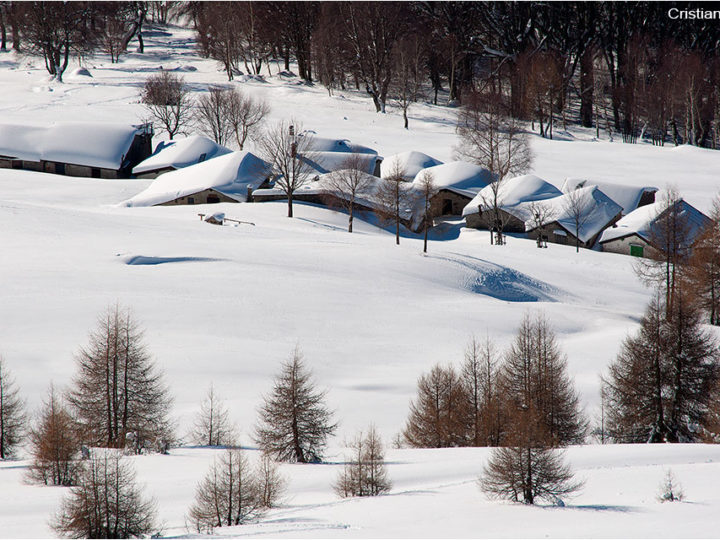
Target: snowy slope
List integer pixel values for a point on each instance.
(228, 304)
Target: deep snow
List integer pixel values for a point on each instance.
(228, 304)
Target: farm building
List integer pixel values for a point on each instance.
(75, 148)
(515, 201)
(629, 197)
(228, 178)
(639, 233)
(456, 182)
(407, 164)
(178, 154)
(595, 210)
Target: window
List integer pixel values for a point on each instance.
(636, 251)
(202, 158)
(95, 172)
(191, 200)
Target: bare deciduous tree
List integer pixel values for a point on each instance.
(438, 414)
(213, 426)
(107, 502)
(704, 267)
(294, 422)
(167, 99)
(428, 190)
(211, 114)
(289, 150)
(348, 184)
(578, 208)
(394, 198)
(541, 214)
(246, 116)
(229, 494)
(12, 413)
(118, 394)
(271, 484)
(364, 474)
(55, 446)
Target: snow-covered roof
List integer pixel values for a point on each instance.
(323, 144)
(642, 221)
(458, 176)
(230, 174)
(410, 163)
(325, 162)
(180, 153)
(598, 210)
(78, 143)
(513, 193)
(626, 196)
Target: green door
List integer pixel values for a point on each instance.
(636, 251)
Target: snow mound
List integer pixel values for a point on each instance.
(629, 197)
(459, 176)
(80, 72)
(410, 163)
(230, 174)
(514, 192)
(180, 153)
(323, 144)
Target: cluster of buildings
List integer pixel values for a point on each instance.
(196, 170)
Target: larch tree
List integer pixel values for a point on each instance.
(294, 423)
(289, 150)
(118, 394)
(535, 375)
(438, 414)
(229, 494)
(364, 474)
(167, 99)
(346, 186)
(54, 444)
(107, 502)
(271, 483)
(213, 426)
(662, 384)
(479, 374)
(704, 267)
(12, 413)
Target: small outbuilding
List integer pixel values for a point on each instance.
(228, 178)
(94, 150)
(639, 232)
(327, 155)
(178, 154)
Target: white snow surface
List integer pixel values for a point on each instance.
(625, 195)
(344, 146)
(410, 163)
(92, 144)
(180, 153)
(514, 195)
(228, 304)
(642, 221)
(230, 174)
(458, 176)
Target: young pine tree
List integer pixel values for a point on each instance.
(294, 422)
(12, 414)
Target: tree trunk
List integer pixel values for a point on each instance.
(290, 201)
(587, 86)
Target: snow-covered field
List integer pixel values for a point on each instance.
(227, 304)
